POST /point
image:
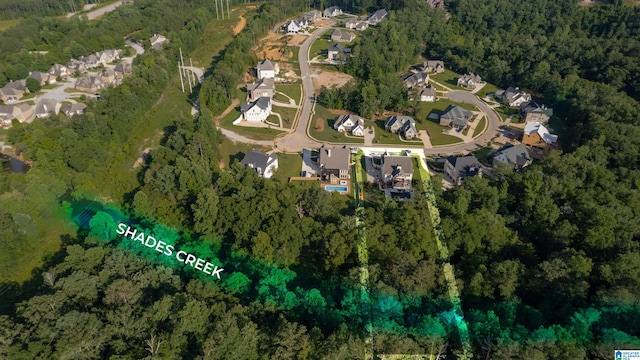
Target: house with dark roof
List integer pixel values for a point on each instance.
(402, 125)
(469, 81)
(332, 12)
(263, 88)
(378, 16)
(13, 91)
(431, 66)
(350, 123)
(334, 164)
(397, 172)
(256, 111)
(338, 52)
(532, 112)
(412, 79)
(342, 36)
(46, 107)
(71, 110)
(264, 165)
(516, 156)
(458, 168)
(455, 117)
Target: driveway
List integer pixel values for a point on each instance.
(308, 166)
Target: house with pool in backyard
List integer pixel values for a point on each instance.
(334, 164)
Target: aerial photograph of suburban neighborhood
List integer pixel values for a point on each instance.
(320, 179)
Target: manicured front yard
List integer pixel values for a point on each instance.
(436, 135)
(488, 88)
(288, 115)
(320, 46)
(386, 137)
(256, 133)
(447, 78)
(505, 111)
(293, 91)
(322, 129)
(426, 108)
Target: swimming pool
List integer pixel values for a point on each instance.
(336, 188)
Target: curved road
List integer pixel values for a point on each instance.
(299, 139)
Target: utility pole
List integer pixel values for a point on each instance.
(217, 15)
(180, 71)
(228, 13)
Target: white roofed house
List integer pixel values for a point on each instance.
(297, 25)
(157, 41)
(256, 111)
(353, 124)
(264, 165)
(538, 136)
(267, 69)
(332, 11)
(46, 107)
(513, 96)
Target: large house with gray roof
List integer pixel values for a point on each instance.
(267, 69)
(517, 156)
(350, 123)
(264, 165)
(332, 12)
(342, 36)
(334, 164)
(469, 81)
(458, 168)
(397, 172)
(431, 66)
(337, 52)
(532, 112)
(402, 125)
(46, 107)
(378, 16)
(263, 88)
(455, 117)
(256, 111)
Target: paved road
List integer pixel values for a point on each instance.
(307, 84)
(99, 12)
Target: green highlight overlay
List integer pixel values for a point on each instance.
(168, 249)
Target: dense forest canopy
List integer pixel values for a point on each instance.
(547, 259)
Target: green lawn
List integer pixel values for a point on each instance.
(480, 127)
(483, 155)
(294, 91)
(328, 133)
(229, 151)
(436, 135)
(447, 78)
(256, 133)
(216, 36)
(288, 115)
(319, 47)
(386, 137)
(5, 24)
(505, 111)
(288, 165)
(487, 89)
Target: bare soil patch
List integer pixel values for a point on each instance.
(277, 47)
(141, 158)
(241, 24)
(328, 78)
(319, 124)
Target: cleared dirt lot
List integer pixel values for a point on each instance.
(325, 77)
(278, 46)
